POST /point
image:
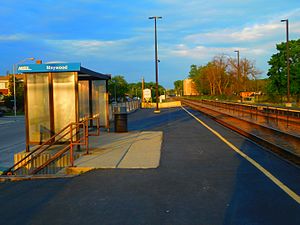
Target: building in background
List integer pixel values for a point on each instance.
(4, 83)
(189, 87)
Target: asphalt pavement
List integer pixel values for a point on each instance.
(12, 139)
(201, 180)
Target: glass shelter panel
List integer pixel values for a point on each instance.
(38, 107)
(83, 95)
(96, 97)
(63, 99)
(101, 101)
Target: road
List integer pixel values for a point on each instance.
(12, 139)
(201, 180)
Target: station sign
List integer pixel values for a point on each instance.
(53, 67)
(147, 94)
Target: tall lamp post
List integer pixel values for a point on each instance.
(14, 73)
(287, 60)
(238, 64)
(156, 61)
(238, 69)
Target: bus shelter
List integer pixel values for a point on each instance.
(57, 94)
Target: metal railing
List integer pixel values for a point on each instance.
(74, 134)
(277, 114)
(130, 107)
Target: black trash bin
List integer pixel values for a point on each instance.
(120, 116)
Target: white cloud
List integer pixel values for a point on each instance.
(14, 37)
(201, 52)
(253, 33)
(122, 49)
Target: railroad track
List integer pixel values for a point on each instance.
(283, 144)
(276, 115)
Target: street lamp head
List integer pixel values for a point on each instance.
(236, 50)
(155, 17)
(284, 20)
(31, 58)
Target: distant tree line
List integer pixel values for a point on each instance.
(119, 88)
(225, 76)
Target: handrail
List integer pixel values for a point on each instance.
(50, 142)
(58, 154)
(70, 146)
(38, 148)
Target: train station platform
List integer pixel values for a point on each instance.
(130, 150)
(207, 174)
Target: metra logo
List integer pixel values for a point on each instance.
(57, 67)
(24, 68)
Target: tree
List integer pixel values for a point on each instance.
(135, 90)
(199, 77)
(152, 87)
(220, 76)
(178, 86)
(247, 71)
(278, 71)
(117, 87)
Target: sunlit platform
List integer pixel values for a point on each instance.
(132, 150)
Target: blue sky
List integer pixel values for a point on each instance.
(116, 36)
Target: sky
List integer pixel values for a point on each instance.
(116, 37)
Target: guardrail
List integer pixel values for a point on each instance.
(130, 107)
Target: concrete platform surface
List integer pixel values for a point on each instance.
(132, 150)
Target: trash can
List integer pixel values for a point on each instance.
(120, 116)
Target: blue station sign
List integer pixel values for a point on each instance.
(53, 67)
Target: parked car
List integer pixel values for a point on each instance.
(128, 99)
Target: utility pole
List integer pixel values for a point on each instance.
(156, 61)
(143, 87)
(287, 61)
(238, 72)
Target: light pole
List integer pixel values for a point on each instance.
(238, 64)
(14, 74)
(287, 60)
(156, 61)
(238, 70)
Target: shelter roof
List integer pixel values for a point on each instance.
(83, 73)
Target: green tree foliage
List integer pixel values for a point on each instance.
(152, 86)
(117, 87)
(278, 71)
(198, 75)
(135, 90)
(178, 87)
